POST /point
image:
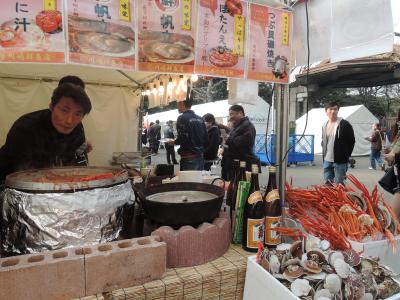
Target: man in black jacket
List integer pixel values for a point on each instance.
(169, 134)
(239, 144)
(192, 137)
(337, 145)
(49, 137)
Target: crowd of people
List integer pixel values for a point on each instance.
(201, 142)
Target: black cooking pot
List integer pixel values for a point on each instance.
(181, 210)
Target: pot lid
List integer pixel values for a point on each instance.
(65, 178)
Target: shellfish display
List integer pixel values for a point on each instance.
(338, 275)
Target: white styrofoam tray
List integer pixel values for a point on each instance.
(381, 249)
(261, 285)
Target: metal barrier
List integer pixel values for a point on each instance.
(301, 148)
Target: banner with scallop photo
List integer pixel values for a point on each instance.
(166, 36)
(31, 31)
(101, 33)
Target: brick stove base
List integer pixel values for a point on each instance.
(188, 246)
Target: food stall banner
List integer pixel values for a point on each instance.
(166, 35)
(221, 38)
(101, 33)
(31, 31)
(270, 44)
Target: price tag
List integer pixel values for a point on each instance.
(186, 4)
(285, 29)
(124, 10)
(49, 4)
(238, 42)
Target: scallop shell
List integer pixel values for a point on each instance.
(322, 294)
(333, 283)
(324, 245)
(274, 264)
(312, 242)
(296, 249)
(352, 257)
(354, 287)
(293, 272)
(387, 215)
(367, 296)
(333, 256)
(358, 200)
(300, 287)
(317, 256)
(312, 266)
(342, 268)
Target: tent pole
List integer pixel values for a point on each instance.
(282, 131)
(140, 127)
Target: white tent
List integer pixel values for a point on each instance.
(359, 117)
(257, 113)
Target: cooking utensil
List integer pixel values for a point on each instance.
(184, 203)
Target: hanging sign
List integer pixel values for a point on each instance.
(220, 49)
(269, 45)
(31, 31)
(101, 33)
(166, 35)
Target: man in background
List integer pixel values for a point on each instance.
(376, 140)
(192, 137)
(337, 145)
(240, 142)
(154, 136)
(169, 135)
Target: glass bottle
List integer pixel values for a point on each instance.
(253, 216)
(273, 210)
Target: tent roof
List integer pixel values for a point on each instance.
(89, 74)
(344, 112)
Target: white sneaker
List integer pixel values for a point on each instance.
(371, 168)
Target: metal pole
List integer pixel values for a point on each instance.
(282, 134)
(140, 120)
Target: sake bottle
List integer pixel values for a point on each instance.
(253, 217)
(273, 210)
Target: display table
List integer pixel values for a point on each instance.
(222, 278)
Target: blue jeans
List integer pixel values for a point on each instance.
(375, 155)
(334, 172)
(196, 163)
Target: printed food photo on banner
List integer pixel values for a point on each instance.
(221, 44)
(101, 33)
(269, 46)
(166, 35)
(31, 31)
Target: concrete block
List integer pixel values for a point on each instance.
(188, 246)
(55, 275)
(124, 263)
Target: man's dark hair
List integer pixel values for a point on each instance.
(209, 118)
(237, 108)
(158, 121)
(72, 79)
(332, 104)
(73, 91)
(187, 103)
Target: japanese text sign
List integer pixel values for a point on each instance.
(166, 35)
(31, 31)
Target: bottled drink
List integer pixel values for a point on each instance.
(242, 171)
(253, 216)
(233, 183)
(273, 210)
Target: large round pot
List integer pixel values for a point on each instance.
(184, 203)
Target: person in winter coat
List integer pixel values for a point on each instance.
(376, 140)
(240, 142)
(170, 149)
(214, 140)
(337, 145)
